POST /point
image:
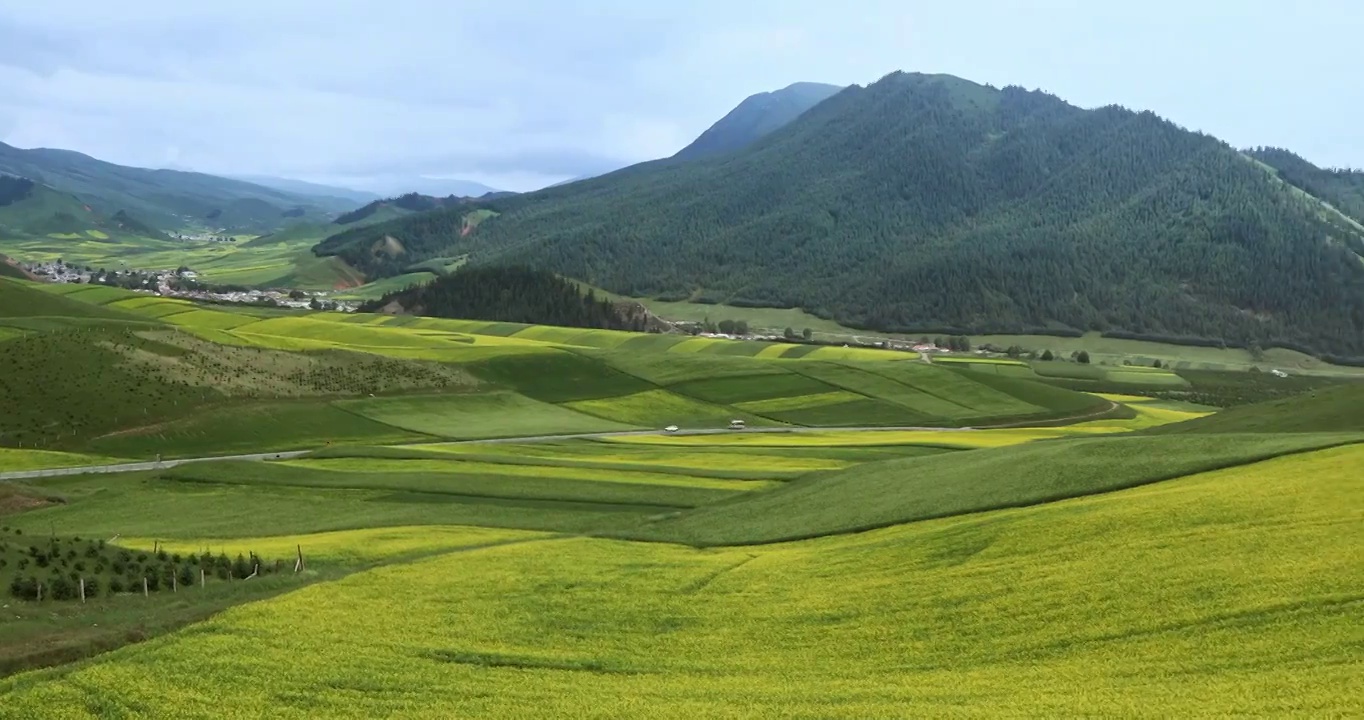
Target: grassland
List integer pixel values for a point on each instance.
(901, 491)
(14, 460)
(1334, 410)
(1061, 569)
(279, 264)
(1147, 595)
(478, 416)
(346, 547)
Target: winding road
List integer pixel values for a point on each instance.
(287, 454)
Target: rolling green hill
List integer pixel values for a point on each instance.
(755, 117)
(32, 210)
(922, 203)
(165, 199)
(447, 549)
(1337, 408)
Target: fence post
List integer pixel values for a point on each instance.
(82, 589)
(201, 578)
(144, 587)
(175, 585)
(40, 592)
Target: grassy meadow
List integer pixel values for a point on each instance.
(494, 524)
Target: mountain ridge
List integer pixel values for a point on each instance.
(922, 202)
(165, 199)
(756, 116)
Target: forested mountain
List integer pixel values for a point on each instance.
(399, 206)
(166, 199)
(1342, 188)
(29, 209)
(755, 117)
(508, 294)
(933, 203)
(302, 187)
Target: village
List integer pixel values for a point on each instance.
(182, 282)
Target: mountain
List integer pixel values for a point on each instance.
(927, 203)
(29, 209)
(755, 117)
(392, 185)
(166, 199)
(302, 187)
(1342, 188)
(403, 205)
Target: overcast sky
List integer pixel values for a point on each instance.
(518, 94)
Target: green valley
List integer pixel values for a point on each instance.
(925, 397)
(970, 524)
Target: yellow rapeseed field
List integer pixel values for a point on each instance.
(345, 545)
(1235, 592)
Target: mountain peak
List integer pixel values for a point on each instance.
(755, 117)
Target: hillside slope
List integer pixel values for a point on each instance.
(1342, 188)
(167, 199)
(29, 209)
(930, 202)
(1338, 409)
(755, 117)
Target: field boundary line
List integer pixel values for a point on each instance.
(292, 454)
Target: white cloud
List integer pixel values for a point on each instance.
(513, 91)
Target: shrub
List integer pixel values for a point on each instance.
(115, 585)
(92, 587)
(24, 588)
(62, 588)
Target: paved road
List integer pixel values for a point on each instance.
(284, 455)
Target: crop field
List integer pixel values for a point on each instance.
(646, 408)
(506, 472)
(249, 427)
(12, 459)
(347, 546)
(208, 319)
(982, 611)
(698, 460)
(1181, 357)
(20, 298)
(288, 263)
(478, 416)
(465, 559)
(474, 483)
(1130, 375)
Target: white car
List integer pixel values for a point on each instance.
(670, 428)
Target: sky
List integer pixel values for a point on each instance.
(518, 94)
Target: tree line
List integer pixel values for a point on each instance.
(510, 294)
